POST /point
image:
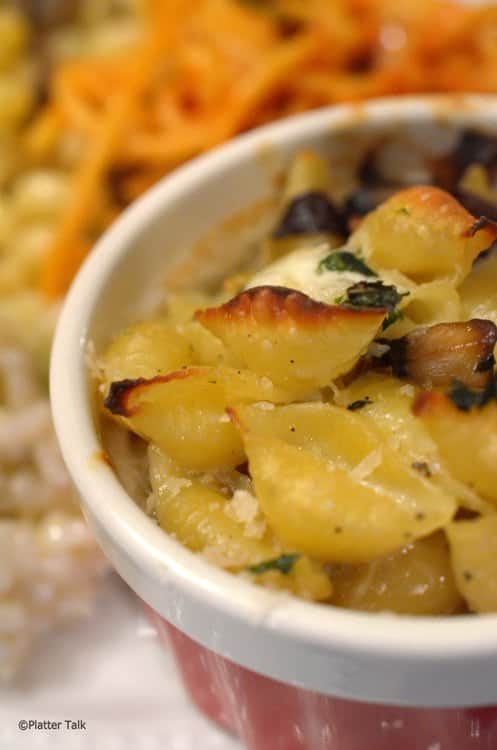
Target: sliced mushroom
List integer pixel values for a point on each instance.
(437, 355)
(475, 148)
(476, 205)
(365, 199)
(311, 213)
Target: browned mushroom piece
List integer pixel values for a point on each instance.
(474, 147)
(437, 355)
(476, 205)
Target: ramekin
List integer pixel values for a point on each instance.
(280, 672)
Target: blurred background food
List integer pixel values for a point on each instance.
(49, 563)
(98, 100)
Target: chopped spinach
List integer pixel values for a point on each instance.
(466, 398)
(374, 294)
(392, 317)
(463, 397)
(283, 563)
(343, 260)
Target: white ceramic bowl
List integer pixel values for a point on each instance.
(383, 658)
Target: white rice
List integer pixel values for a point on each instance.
(49, 562)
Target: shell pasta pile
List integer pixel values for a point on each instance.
(326, 422)
(98, 100)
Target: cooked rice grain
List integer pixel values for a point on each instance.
(49, 562)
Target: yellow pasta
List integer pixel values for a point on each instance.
(474, 561)
(454, 431)
(311, 431)
(185, 412)
(229, 532)
(416, 580)
(144, 351)
(479, 290)
(275, 332)
(424, 233)
(330, 512)
(196, 515)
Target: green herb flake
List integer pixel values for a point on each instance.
(466, 398)
(392, 318)
(373, 294)
(359, 404)
(404, 211)
(343, 260)
(283, 563)
(463, 397)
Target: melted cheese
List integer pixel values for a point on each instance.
(299, 270)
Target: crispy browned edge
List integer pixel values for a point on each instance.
(482, 223)
(279, 305)
(121, 391)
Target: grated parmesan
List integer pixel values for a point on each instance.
(244, 508)
(173, 486)
(366, 467)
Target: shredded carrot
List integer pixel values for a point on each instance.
(197, 79)
(61, 263)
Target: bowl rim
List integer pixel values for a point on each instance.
(161, 558)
